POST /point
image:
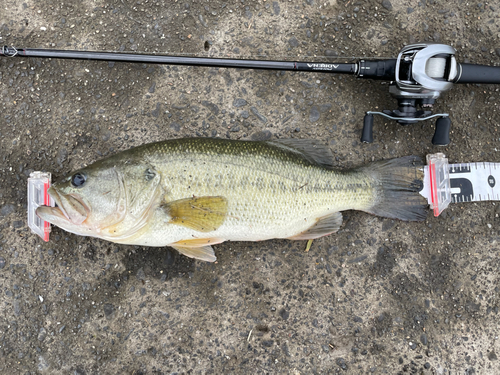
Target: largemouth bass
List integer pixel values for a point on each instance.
(196, 192)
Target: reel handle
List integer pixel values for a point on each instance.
(442, 132)
(367, 134)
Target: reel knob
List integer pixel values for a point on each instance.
(367, 134)
(442, 132)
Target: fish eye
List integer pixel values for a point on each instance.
(78, 179)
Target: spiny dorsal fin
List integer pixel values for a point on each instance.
(322, 227)
(311, 149)
(203, 214)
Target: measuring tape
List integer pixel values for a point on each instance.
(455, 183)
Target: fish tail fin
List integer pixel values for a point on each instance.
(398, 183)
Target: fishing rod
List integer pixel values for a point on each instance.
(417, 77)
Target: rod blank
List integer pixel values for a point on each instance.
(348, 68)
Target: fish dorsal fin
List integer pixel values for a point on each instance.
(323, 226)
(311, 149)
(203, 214)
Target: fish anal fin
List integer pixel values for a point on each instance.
(324, 226)
(203, 214)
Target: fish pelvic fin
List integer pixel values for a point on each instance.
(323, 226)
(198, 248)
(397, 186)
(205, 253)
(203, 214)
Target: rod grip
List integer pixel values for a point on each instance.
(472, 73)
(367, 134)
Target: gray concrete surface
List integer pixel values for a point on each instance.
(381, 296)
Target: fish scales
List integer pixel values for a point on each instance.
(270, 193)
(190, 193)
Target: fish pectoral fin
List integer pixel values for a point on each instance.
(203, 214)
(323, 226)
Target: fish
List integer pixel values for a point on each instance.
(193, 193)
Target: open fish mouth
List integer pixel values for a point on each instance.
(68, 207)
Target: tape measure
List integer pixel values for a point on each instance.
(455, 183)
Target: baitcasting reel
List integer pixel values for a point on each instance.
(422, 73)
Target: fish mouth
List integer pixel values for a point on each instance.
(68, 207)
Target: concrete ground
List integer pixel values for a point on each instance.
(380, 296)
